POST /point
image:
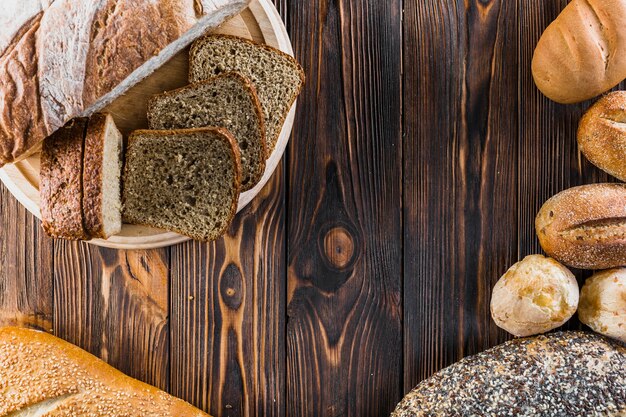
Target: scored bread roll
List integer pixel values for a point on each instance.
(42, 375)
(603, 303)
(535, 295)
(602, 134)
(585, 227)
(582, 53)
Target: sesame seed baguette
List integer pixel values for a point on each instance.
(41, 374)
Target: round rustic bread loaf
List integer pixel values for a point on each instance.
(602, 134)
(603, 303)
(534, 296)
(553, 375)
(582, 53)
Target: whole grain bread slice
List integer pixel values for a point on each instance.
(229, 101)
(277, 77)
(102, 166)
(186, 181)
(61, 182)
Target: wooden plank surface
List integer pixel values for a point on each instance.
(420, 155)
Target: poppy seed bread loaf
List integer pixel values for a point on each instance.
(186, 181)
(229, 101)
(277, 77)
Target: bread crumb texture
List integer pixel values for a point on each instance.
(554, 375)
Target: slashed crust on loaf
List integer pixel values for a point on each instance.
(44, 375)
(61, 185)
(585, 227)
(602, 134)
(75, 57)
(198, 72)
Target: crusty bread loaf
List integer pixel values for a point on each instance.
(67, 58)
(602, 134)
(229, 101)
(278, 78)
(102, 167)
(583, 52)
(42, 375)
(603, 303)
(585, 227)
(61, 182)
(554, 375)
(186, 181)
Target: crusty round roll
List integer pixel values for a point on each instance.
(603, 303)
(602, 134)
(585, 227)
(582, 53)
(534, 296)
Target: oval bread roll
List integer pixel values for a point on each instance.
(534, 296)
(585, 227)
(603, 303)
(602, 134)
(582, 53)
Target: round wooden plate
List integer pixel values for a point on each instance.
(260, 22)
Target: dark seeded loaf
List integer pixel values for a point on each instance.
(277, 77)
(229, 101)
(102, 167)
(185, 181)
(553, 375)
(61, 184)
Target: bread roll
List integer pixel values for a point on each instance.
(42, 375)
(603, 303)
(535, 295)
(585, 227)
(66, 58)
(556, 375)
(582, 53)
(602, 134)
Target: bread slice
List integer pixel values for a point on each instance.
(43, 375)
(102, 166)
(61, 182)
(278, 78)
(229, 101)
(186, 181)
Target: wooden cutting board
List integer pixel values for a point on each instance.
(260, 22)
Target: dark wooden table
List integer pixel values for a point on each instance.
(420, 155)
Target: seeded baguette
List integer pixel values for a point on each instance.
(61, 182)
(186, 181)
(585, 227)
(277, 77)
(554, 375)
(229, 101)
(102, 166)
(42, 375)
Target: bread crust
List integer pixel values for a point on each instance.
(61, 183)
(227, 138)
(37, 367)
(585, 227)
(92, 175)
(198, 44)
(247, 84)
(583, 52)
(73, 53)
(602, 134)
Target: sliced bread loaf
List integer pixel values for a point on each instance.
(227, 101)
(278, 78)
(102, 166)
(61, 182)
(186, 181)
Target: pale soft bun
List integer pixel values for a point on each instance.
(603, 303)
(534, 296)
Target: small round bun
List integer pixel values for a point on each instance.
(603, 303)
(534, 296)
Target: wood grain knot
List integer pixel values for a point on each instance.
(339, 247)
(231, 287)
